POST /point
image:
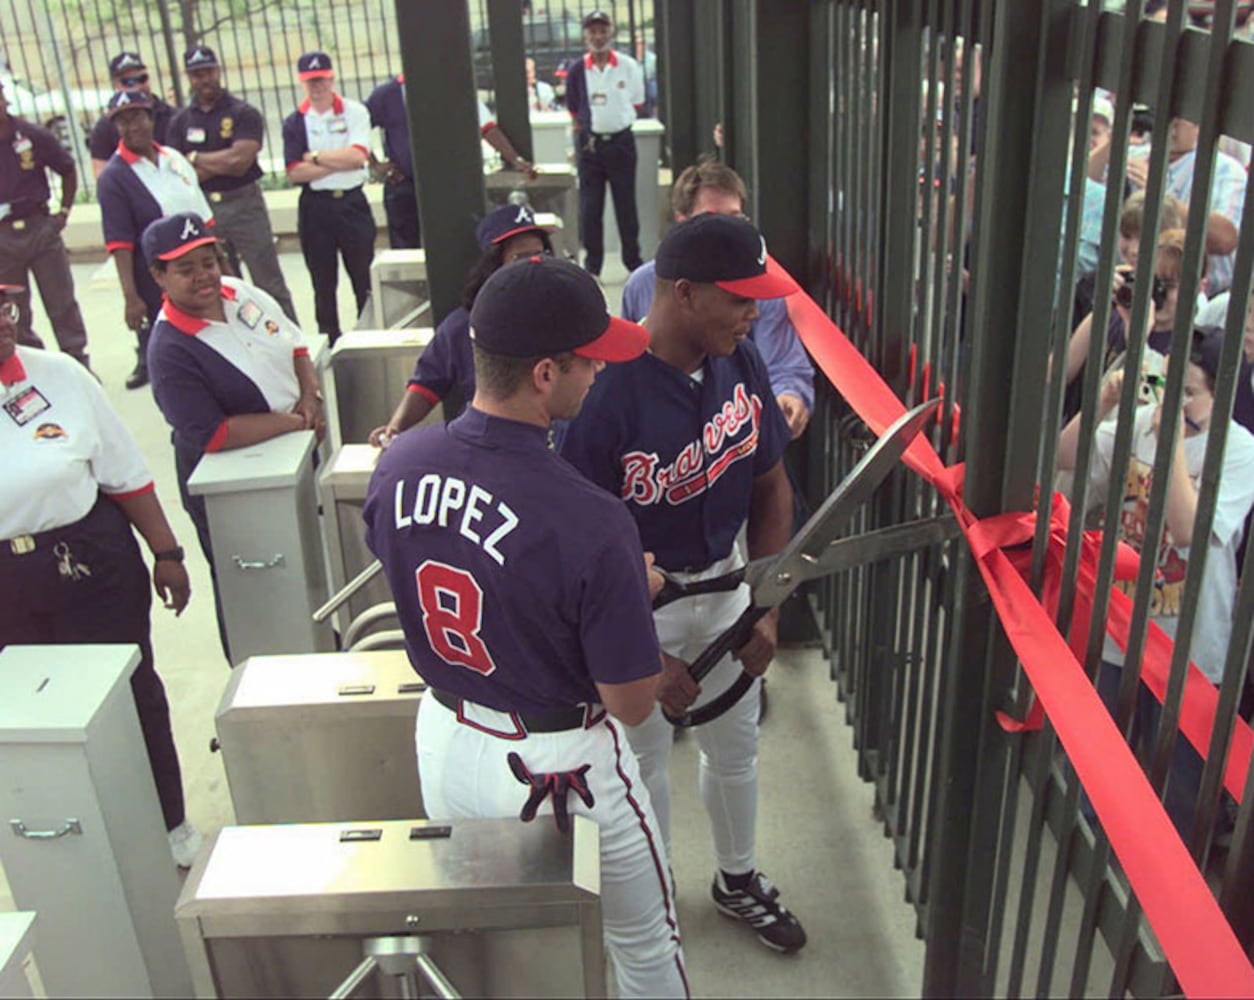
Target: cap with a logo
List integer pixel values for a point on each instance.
(506, 221)
(126, 100)
(723, 250)
(200, 57)
(7, 290)
(313, 65)
(125, 62)
(597, 17)
(541, 306)
(171, 237)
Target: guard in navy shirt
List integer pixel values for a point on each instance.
(522, 591)
(128, 72)
(690, 437)
(221, 137)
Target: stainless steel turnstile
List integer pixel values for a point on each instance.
(554, 192)
(370, 369)
(343, 487)
(398, 289)
(502, 908)
(321, 737)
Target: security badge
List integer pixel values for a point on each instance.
(250, 314)
(25, 151)
(226, 128)
(26, 406)
(196, 134)
(599, 99)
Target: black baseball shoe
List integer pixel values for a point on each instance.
(758, 906)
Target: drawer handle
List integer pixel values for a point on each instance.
(242, 563)
(68, 827)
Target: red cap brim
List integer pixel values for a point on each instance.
(620, 341)
(12, 289)
(183, 248)
(522, 229)
(776, 283)
(315, 74)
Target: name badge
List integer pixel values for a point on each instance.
(338, 125)
(195, 135)
(22, 144)
(250, 315)
(26, 406)
(598, 99)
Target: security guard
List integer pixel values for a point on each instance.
(604, 92)
(326, 146)
(30, 238)
(128, 72)
(221, 136)
(75, 484)
(141, 182)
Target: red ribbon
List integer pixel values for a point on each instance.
(1196, 938)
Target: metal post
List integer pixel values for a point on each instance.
(677, 80)
(741, 119)
(444, 136)
(509, 70)
(171, 53)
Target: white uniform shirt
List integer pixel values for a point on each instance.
(613, 92)
(171, 181)
(62, 444)
(345, 123)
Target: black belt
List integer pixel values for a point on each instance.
(37, 541)
(217, 197)
(337, 193)
(607, 136)
(18, 219)
(555, 720)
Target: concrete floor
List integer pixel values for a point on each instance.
(817, 839)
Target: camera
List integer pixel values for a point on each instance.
(1158, 292)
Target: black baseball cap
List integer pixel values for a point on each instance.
(125, 100)
(541, 306)
(313, 65)
(723, 250)
(506, 221)
(171, 237)
(597, 17)
(125, 62)
(200, 57)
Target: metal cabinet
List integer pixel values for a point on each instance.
(503, 908)
(267, 551)
(343, 487)
(321, 737)
(398, 289)
(86, 846)
(19, 976)
(370, 369)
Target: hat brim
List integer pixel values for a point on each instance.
(114, 112)
(621, 340)
(534, 228)
(11, 290)
(203, 65)
(588, 22)
(187, 247)
(317, 74)
(776, 283)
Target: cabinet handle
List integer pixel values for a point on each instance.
(242, 563)
(20, 829)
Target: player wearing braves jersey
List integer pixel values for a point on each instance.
(691, 438)
(521, 589)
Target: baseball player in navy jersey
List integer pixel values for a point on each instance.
(691, 438)
(522, 592)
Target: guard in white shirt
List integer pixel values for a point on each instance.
(604, 93)
(229, 369)
(141, 182)
(326, 145)
(70, 571)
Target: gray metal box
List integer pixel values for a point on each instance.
(370, 369)
(19, 977)
(85, 845)
(263, 520)
(509, 909)
(342, 484)
(554, 191)
(398, 288)
(321, 737)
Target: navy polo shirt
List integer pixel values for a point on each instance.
(447, 361)
(386, 105)
(104, 136)
(23, 157)
(519, 584)
(198, 130)
(681, 452)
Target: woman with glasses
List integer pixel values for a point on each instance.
(507, 234)
(74, 485)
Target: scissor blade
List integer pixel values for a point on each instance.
(773, 580)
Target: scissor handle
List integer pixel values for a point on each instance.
(674, 590)
(731, 638)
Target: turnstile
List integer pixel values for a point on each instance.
(370, 369)
(343, 487)
(267, 551)
(321, 737)
(19, 975)
(86, 846)
(399, 291)
(503, 908)
(554, 192)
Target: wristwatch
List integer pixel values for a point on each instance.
(191, 157)
(169, 555)
(313, 157)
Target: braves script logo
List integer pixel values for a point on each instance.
(645, 483)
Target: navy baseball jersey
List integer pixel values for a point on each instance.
(447, 361)
(519, 584)
(681, 450)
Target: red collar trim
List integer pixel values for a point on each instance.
(400, 77)
(130, 158)
(12, 370)
(337, 105)
(588, 61)
(185, 323)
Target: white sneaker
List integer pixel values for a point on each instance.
(185, 844)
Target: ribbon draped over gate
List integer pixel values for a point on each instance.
(1196, 938)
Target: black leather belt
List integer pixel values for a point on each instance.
(217, 197)
(556, 720)
(336, 193)
(607, 136)
(18, 221)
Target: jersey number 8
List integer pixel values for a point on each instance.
(452, 614)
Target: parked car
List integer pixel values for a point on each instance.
(48, 107)
(551, 41)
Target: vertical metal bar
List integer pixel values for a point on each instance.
(171, 51)
(677, 80)
(740, 119)
(510, 73)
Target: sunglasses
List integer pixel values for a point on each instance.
(133, 81)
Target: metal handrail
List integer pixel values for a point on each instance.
(364, 622)
(349, 589)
